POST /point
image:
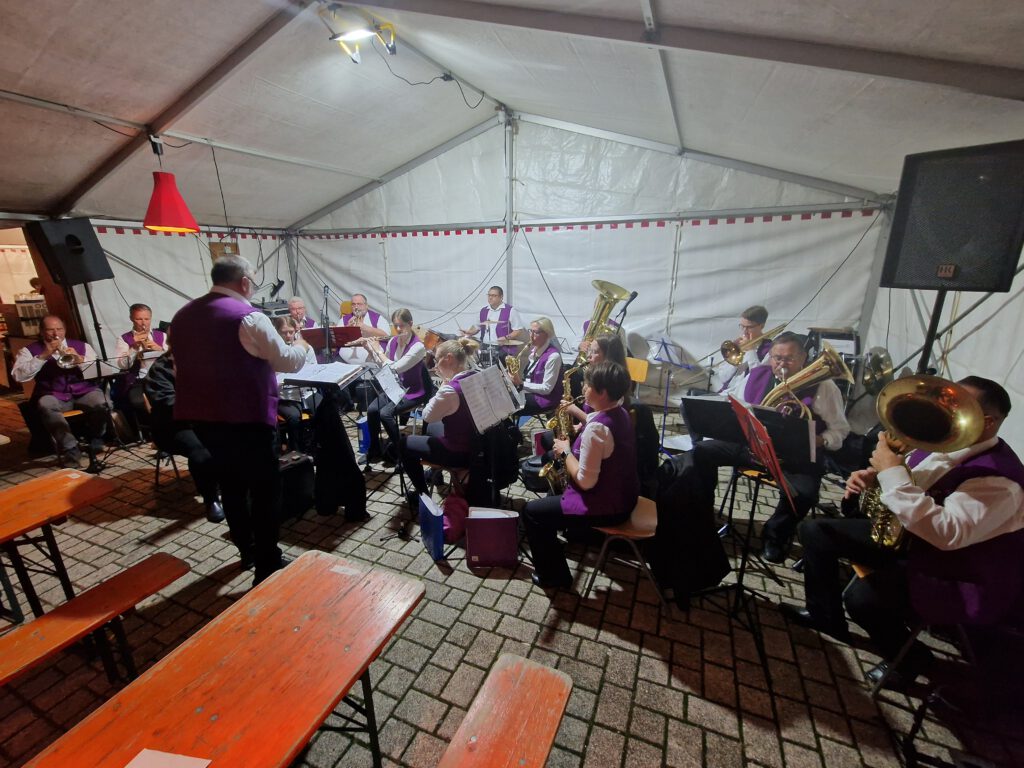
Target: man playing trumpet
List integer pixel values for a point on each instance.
(371, 325)
(825, 404)
(129, 355)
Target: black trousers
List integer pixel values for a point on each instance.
(532, 407)
(543, 519)
(416, 448)
(879, 603)
(291, 412)
(709, 455)
(180, 439)
(383, 413)
(245, 462)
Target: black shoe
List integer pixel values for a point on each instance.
(915, 663)
(543, 583)
(803, 618)
(215, 512)
(773, 553)
(247, 561)
(260, 577)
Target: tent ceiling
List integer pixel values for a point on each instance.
(298, 96)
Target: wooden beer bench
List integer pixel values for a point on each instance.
(513, 719)
(251, 688)
(31, 644)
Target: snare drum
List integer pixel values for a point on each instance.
(489, 354)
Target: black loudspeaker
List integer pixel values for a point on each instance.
(959, 220)
(70, 249)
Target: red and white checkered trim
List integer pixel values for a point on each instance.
(214, 236)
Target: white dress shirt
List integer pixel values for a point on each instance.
(980, 508)
(445, 402)
(552, 367)
(358, 355)
(125, 355)
(27, 365)
(596, 446)
(408, 356)
(490, 335)
(260, 338)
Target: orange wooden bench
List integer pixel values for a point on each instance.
(102, 605)
(513, 719)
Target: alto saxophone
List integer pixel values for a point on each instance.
(512, 365)
(561, 424)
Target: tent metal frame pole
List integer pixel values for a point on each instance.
(510, 191)
(293, 263)
(404, 168)
(650, 18)
(990, 80)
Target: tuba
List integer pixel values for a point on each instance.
(732, 352)
(561, 423)
(926, 412)
(608, 295)
(827, 365)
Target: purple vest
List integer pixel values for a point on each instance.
(217, 380)
(979, 584)
(760, 383)
(307, 322)
(536, 375)
(411, 379)
(617, 485)
(763, 349)
(459, 428)
(503, 328)
(62, 383)
(133, 373)
(373, 317)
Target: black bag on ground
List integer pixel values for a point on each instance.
(529, 473)
(687, 554)
(297, 484)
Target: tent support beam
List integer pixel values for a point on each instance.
(188, 99)
(726, 162)
(1001, 82)
(510, 205)
(647, 10)
(426, 157)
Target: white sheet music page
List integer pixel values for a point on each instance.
(488, 399)
(389, 383)
(323, 373)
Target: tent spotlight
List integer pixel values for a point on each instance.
(354, 28)
(167, 211)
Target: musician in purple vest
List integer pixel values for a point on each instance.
(297, 309)
(825, 403)
(226, 353)
(451, 435)
(752, 322)
(372, 325)
(54, 363)
(541, 375)
(129, 356)
(601, 469)
(963, 518)
(498, 323)
(405, 354)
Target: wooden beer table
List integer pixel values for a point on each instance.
(35, 504)
(251, 688)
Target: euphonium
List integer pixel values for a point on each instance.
(827, 365)
(925, 412)
(608, 295)
(561, 424)
(733, 352)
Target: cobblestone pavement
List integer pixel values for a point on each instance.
(648, 690)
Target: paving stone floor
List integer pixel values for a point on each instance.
(649, 690)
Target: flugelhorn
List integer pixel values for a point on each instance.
(732, 351)
(926, 412)
(827, 365)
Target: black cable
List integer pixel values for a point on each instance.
(177, 146)
(114, 130)
(463, 303)
(384, 58)
(220, 186)
(545, 281)
(471, 106)
(118, 289)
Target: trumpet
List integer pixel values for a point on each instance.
(354, 320)
(68, 358)
(733, 351)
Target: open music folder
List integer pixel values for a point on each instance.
(488, 397)
(319, 374)
(712, 416)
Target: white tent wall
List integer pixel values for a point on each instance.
(985, 343)
(182, 263)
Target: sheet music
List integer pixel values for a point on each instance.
(152, 354)
(318, 374)
(100, 368)
(389, 384)
(487, 397)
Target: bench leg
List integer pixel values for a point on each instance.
(58, 562)
(106, 656)
(371, 719)
(14, 611)
(125, 651)
(11, 548)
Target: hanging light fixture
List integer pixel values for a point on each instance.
(354, 28)
(167, 211)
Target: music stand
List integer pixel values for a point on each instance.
(668, 352)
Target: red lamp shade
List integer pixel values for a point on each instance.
(167, 211)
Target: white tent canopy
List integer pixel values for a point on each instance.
(709, 155)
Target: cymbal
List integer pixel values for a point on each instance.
(511, 343)
(488, 322)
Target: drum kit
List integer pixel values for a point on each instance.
(487, 355)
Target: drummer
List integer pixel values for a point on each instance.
(499, 323)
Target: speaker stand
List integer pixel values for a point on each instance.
(933, 327)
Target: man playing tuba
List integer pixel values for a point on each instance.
(825, 404)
